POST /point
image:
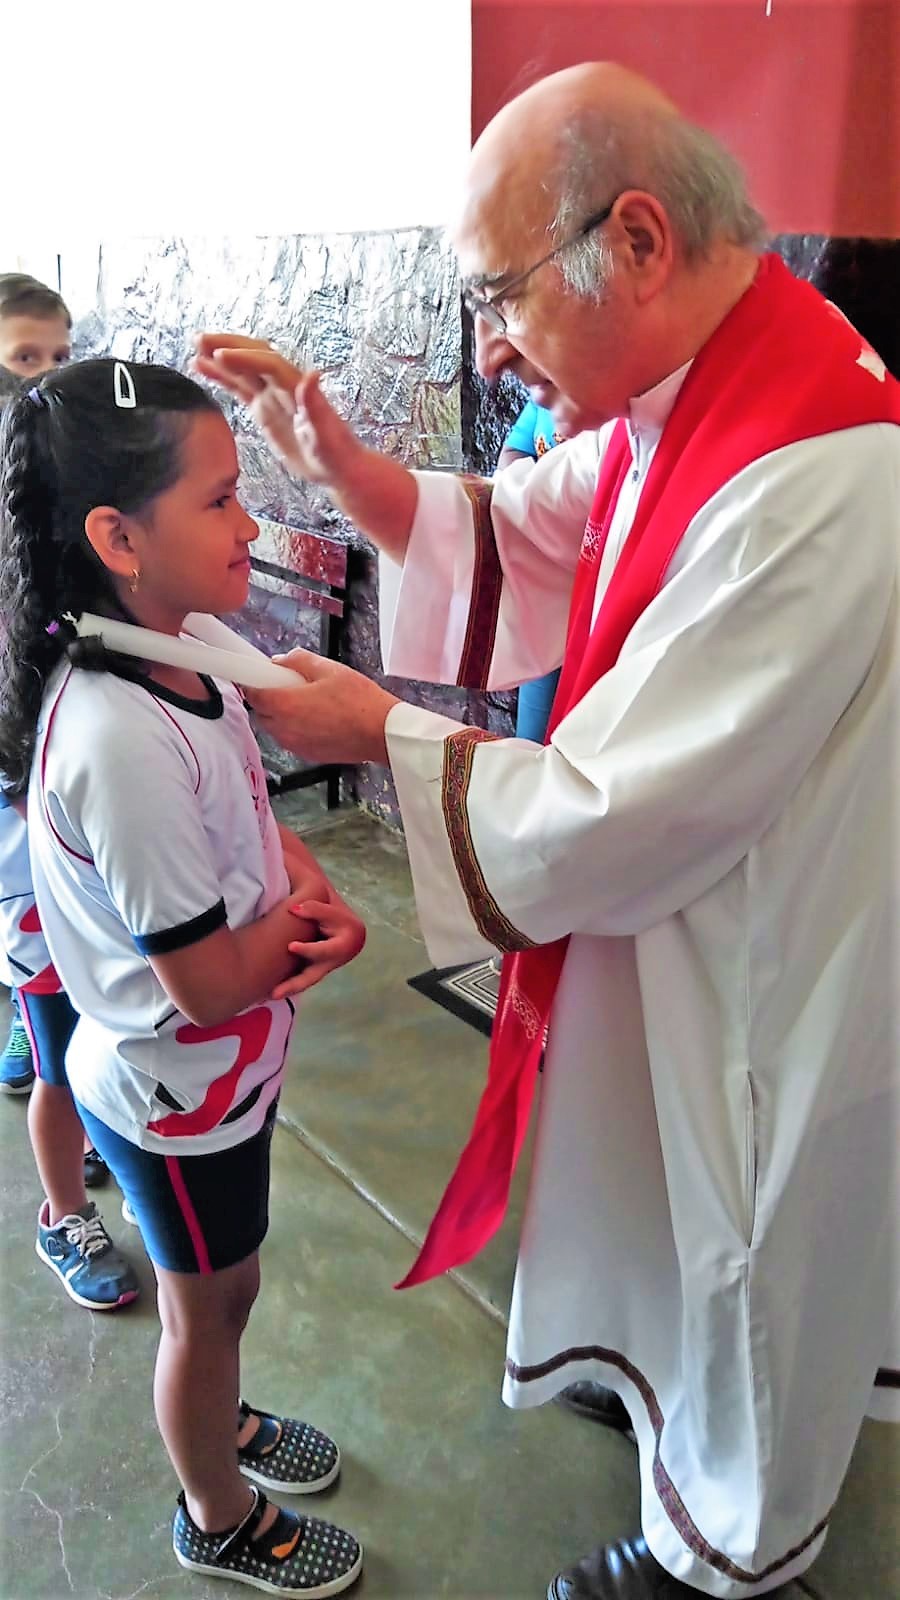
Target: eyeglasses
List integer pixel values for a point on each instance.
(487, 306)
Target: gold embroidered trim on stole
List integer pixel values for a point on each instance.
(487, 586)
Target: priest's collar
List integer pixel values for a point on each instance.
(649, 412)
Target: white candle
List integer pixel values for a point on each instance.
(239, 663)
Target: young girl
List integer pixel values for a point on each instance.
(166, 891)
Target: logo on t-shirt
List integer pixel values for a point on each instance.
(260, 797)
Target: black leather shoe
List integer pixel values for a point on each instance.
(626, 1571)
(601, 1405)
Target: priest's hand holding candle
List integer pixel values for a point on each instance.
(333, 715)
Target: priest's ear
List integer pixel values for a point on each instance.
(646, 243)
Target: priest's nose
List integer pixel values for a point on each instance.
(493, 351)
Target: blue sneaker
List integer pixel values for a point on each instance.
(16, 1065)
(88, 1265)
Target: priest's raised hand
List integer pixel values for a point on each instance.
(309, 437)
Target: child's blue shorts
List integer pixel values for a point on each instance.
(196, 1213)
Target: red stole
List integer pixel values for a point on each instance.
(782, 367)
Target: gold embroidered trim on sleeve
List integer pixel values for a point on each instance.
(459, 754)
(487, 586)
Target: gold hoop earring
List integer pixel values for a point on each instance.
(135, 579)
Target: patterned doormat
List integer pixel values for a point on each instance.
(470, 992)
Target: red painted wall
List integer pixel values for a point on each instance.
(807, 98)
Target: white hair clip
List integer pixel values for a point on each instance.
(123, 386)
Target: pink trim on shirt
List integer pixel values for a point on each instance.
(176, 724)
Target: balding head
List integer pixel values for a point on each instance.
(535, 118)
(602, 239)
(567, 145)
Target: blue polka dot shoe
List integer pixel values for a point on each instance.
(287, 1456)
(296, 1556)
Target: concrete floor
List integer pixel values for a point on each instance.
(452, 1495)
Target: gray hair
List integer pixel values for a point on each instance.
(693, 176)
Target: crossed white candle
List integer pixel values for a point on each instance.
(212, 648)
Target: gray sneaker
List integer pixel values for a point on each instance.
(88, 1265)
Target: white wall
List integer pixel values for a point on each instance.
(174, 116)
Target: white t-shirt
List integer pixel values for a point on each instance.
(150, 827)
(24, 957)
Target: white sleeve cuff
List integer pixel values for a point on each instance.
(424, 604)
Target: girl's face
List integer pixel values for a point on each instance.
(192, 549)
